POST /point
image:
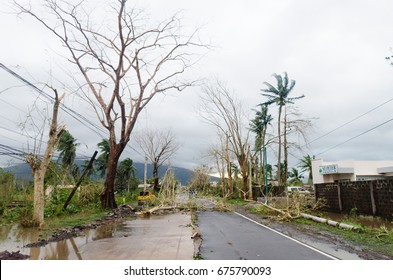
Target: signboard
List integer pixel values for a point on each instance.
(328, 169)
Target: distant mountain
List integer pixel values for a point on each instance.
(23, 171)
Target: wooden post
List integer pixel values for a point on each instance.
(373, 205)
(340, 205)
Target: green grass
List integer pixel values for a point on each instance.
(84, 217)
(375, 239)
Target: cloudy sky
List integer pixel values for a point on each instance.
(335, 50)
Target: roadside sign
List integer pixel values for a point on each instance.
(328, 169)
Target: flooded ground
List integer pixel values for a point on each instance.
(367, 221)
(114, 240)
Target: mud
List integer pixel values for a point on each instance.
(5, 255)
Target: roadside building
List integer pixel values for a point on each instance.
(350, 170)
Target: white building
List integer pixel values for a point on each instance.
(350, 170)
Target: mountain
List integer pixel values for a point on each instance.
(22, 171)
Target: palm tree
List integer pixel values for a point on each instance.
(259, 126)
(67, 147)
(296, 178)
(280, 96)
(125, 172)
(306, 166)
(103, 158)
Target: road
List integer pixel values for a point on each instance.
(231, 236)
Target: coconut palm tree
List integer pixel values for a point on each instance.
(279, 95)
(306, 166)
(295, 177)
(259, 126)
(103, 158)
(67, 147)
(125, 172)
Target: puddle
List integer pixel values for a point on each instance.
(368, 221)
(114, 240)
(14, 238)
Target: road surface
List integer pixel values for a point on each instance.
(231, 236)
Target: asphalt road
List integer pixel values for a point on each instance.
(230, 236)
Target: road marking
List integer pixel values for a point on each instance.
(280, 233)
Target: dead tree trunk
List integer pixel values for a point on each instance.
(39, 166)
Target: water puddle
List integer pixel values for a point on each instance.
(15, 238)
(367, 221)
(114, 240)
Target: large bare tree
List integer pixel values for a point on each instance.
(121, 62)
(158, 147)
(222, 110)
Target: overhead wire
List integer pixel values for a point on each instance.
(99, 130)
(351, 121)
(357, 136)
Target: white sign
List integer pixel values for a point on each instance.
(328, 169)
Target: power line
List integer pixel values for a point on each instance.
(350, 139)
(355, 119)
(77, 116)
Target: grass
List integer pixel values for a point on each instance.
(81, 218)
(375, 239)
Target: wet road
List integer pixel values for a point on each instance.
(229, 236)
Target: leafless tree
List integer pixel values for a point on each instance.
(40, 164)
(297, 126)
(158, 147)
(222, 110)
(121, 62)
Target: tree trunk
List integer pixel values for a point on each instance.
(39, 199)
(155, 176)
(285, 179)
(108, 195)
(39, 167)
(279, 147)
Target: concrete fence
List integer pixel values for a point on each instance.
(364, 197)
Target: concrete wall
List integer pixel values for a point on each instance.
(367, 197)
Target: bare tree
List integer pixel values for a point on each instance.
(221, 109)
(39, 164)
(122, 62)
(158, 147)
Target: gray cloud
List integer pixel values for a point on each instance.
(335, 51)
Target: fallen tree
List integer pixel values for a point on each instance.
(288, 215)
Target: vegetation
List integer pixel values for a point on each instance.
(375, 239)
(279, 95)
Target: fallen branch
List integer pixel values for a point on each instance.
(157, 208)
(282, 212)
(311, 217)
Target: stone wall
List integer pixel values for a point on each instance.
(364, 197)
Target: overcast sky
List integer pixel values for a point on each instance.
(335, 50)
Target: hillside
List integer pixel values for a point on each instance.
(22, 171)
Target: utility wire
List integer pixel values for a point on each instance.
(77, 116)
(350, 139)
(351, 121)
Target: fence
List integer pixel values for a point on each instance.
(365, 197)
